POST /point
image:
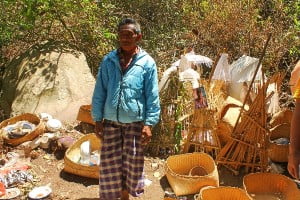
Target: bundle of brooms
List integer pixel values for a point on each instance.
(249, 142)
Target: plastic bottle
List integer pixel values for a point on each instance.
(85, 153)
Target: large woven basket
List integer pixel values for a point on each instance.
(279, 152)
(32, 118)
(283, 116)
(178, 167)
(84, 114)
(224, 193)
(73, 167)
(270, 183)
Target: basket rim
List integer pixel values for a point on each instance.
(245, 193)
(39, 129)
(66, 157)
(20, 115)
(268, 174)
(168, 169)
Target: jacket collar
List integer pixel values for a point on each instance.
(113, 55)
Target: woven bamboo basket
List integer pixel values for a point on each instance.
(224, 193)
(32, 118)
(178, 167)
(279, 152)
(271, 184)
(73, 167)
(84, 114)
(283, 116)
(224, 130)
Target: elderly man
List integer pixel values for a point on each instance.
(125, 106)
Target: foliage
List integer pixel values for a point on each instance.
(168, 27)
(241, 27)
(73, 22)
(211, 26)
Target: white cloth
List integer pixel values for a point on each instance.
(242, 70)
(186, 72)
(222, 71)
(164, 81)
(190, 75)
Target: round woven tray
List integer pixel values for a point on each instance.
(84, 114)
(279, 152)
(224, 193)
(32, 118)
(270, 183)
(178, 167)
(76, 168)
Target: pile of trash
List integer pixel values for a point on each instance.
(14, 171)
(16, 176)
(18, 129)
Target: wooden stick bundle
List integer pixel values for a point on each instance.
(248, 147)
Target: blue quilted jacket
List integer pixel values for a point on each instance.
(130, 96)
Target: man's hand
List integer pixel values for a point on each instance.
(293, 164)
(146, 134)
(99, 129)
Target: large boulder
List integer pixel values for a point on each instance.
(49, 78)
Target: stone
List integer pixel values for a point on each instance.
(48, 78)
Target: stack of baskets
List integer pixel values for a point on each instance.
(224, 193)
(32, 118)
(271, 184)
(178, 169)
(84, 114)
(71, 155)
(279, 152)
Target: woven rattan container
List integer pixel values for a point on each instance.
(281, 117)
(279, 152)
(178, 168)
(223, 193)
(270, 183)
(32, 118)
(84, 114)
(73, 152)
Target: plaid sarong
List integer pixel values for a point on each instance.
(122, 160)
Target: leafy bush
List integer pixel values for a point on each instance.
(211, 26)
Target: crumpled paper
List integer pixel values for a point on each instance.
(15, 177)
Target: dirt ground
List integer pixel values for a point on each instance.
(48, 169)
(68, 186)
(48, 166)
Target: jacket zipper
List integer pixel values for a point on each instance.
(139, 109)
(122, 75)
(119, 99)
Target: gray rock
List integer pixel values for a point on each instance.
(47, 78)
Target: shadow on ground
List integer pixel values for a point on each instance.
(78, 179)
(169, 192)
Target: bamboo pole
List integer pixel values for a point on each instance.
(253, 79)
(213, 68)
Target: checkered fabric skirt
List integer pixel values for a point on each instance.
(122, 160)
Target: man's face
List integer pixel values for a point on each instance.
(128, 38)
